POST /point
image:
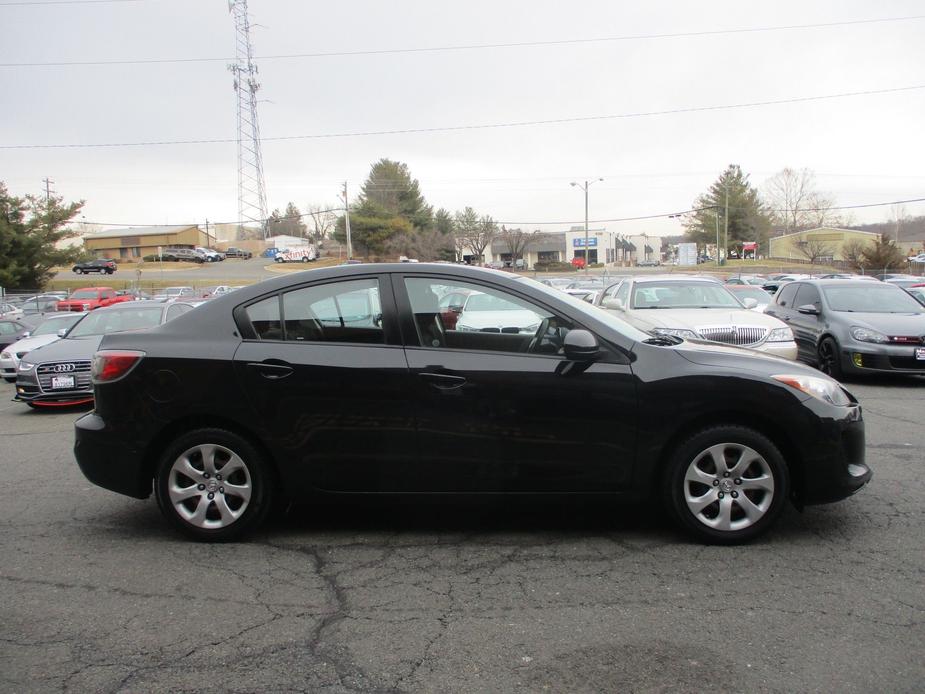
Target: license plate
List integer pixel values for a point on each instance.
(920, 353)
(60, 382)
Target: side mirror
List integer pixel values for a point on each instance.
(809, 310)
(612, 303)
(62, 332)
(25, 335)
(749, 302)
(580, 345)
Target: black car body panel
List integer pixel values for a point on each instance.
(402, 417)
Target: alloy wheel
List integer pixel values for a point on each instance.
(209, 486)
(729, 487)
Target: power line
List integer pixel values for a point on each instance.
(483, 126)
(547, 223)
(63, 2)
(461, 47)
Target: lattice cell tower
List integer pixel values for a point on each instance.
(252, 197)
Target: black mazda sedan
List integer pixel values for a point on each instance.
(351, 380)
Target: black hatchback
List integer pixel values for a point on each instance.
(354, 380)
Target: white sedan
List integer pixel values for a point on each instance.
(46, 332)
(489, 313)
(699, 309)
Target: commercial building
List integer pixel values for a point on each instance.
(133, 243)
(821, 245)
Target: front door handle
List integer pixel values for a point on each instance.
(271, 371)
(443, 381)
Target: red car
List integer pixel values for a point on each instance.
(89, 298)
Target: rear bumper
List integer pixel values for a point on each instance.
(107, 461)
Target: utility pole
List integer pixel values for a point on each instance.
(208, 238)
(48, 183)
(726, 223)
(587, 184)
(347, 223)
(716, 219)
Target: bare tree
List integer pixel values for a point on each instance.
(853, 253)
(427, 244)
(797, 204)
(814, 249)
(322, 220)
(465, 228)
(517, 241)
(483, 236)
(898, 218)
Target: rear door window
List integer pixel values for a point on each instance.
(786, 294)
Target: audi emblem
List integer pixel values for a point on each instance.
(63, 368)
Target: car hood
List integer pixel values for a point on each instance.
(887, 323)
(693, 318)
(30, 343)
(742, 359)
(67, 349)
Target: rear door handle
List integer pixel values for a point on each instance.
(270, 370)
(443, 381)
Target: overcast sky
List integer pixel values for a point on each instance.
(864, 149)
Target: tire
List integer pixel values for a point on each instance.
(278, 260)
(109, 272)
(9, 380)
(829, 356)
(304, 258)
(78, 271)
(185, 477)
(754, 495)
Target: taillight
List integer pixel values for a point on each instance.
(112, 364)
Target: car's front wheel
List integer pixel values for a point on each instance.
(213, 485)
(830, 359)
(727, 484)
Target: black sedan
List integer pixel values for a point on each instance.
(853, 327)
(58, 374)
(100, 265)
(348, 380)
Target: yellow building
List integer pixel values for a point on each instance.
(822, 245)
(134, 243)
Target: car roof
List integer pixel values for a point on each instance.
(675, 277)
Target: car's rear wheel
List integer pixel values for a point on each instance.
(213, 485)
(830, 359)
(727, 484)
(304, 258)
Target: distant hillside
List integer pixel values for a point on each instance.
(913, 229)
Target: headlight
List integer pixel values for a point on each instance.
(530, 329)
(86, 307)
(824, 389)
(5, 355)
(25, 365)
(677, 332)
(867, 335)
(465, 328)
(780, 335)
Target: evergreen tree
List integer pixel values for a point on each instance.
(29, 229)
(748, 220)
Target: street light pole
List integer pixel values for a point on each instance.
(587, 184)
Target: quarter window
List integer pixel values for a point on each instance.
(786, 294)
(264, 317)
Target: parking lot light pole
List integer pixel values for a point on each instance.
(587, 184)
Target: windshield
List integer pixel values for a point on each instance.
(116, 320)
(871, 298)
(586, 309)
(84, 294)
(681, 294)
(52, 325)
(760, 295)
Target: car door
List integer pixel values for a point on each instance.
(807, 327)
(326, 376)
(499, 409)
(783, 308)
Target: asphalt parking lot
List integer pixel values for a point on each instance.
(98, 594)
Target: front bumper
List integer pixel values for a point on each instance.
(28, 390)
(834, 466)
(107, 461)
(862, 357)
